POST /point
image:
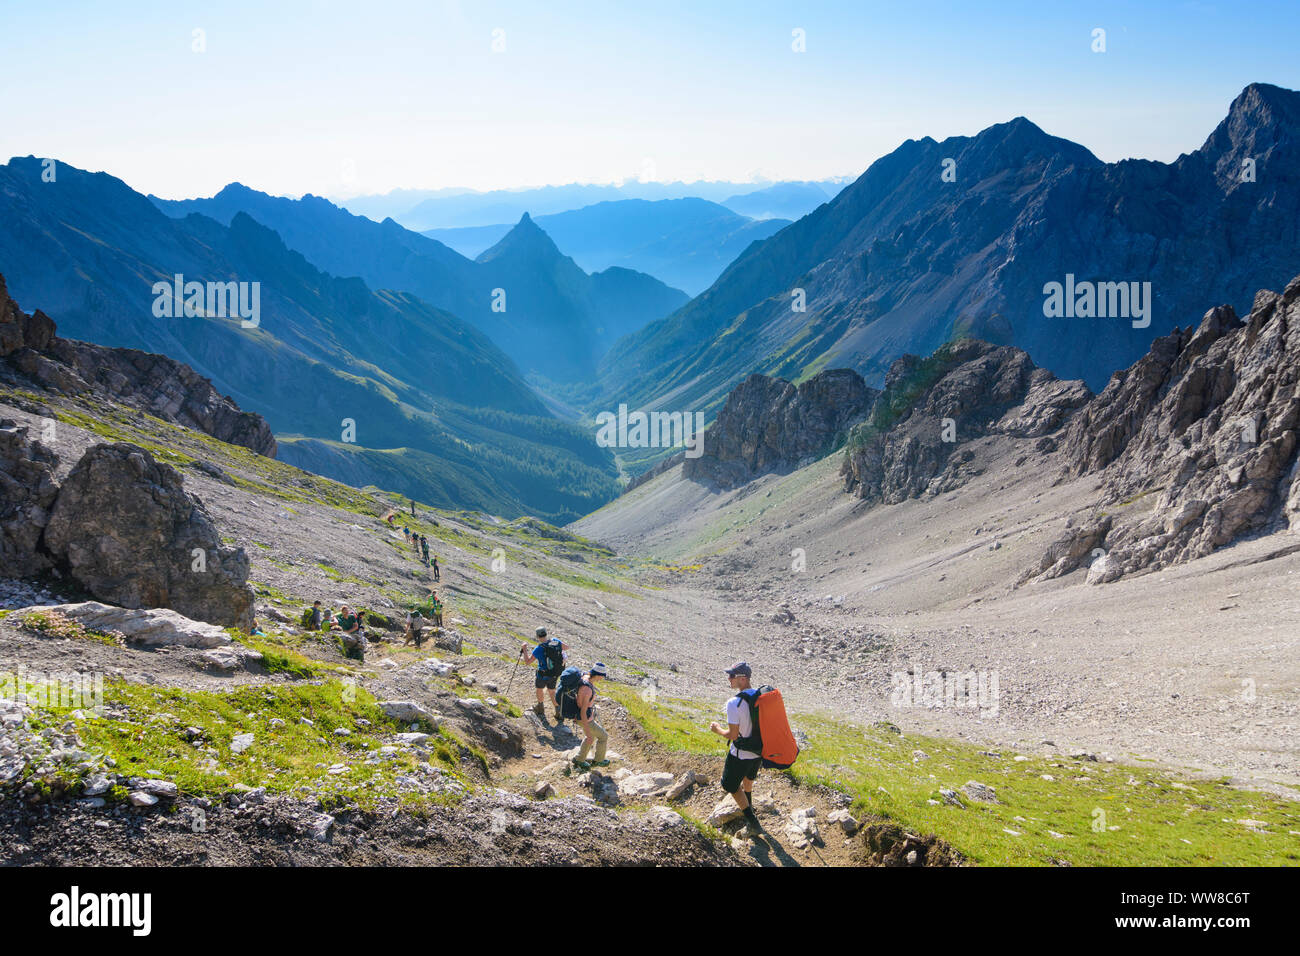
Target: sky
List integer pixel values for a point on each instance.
(345, 99)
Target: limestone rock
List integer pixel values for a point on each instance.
(128, 533)
(27, 492)
(152, 627)
(768, 424)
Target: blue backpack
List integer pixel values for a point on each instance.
(566, 693)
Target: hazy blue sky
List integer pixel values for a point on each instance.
(347, 98)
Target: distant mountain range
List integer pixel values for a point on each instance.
(685, 242)
(459, 208)
(439, 412)
(550, 316)
(939, 240)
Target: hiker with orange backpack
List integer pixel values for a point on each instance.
(759, 733)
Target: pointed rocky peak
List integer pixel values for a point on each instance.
(526, 240)
(1261, 120)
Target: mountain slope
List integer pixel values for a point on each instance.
(902, 261)
(552, 319)
(88, 250)
(685, 242)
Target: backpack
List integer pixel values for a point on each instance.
(554, 657)
(771, 738)
(566, 693)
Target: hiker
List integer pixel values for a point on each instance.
(314, 617)
(406, 533)
(414, 627)
(257, 630)
(437, 575)
(389, 518)
(577, 697)
(354, 638)
(549, 655)
(424, 546)
(743, 755)
(435, 609)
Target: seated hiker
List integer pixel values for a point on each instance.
(549, 655)
(743, 756)
(584, 699)
(354, 638)
(256, 629)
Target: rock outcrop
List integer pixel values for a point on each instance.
(770, 425)
(913, 443)
(153, 383)
(27, 492)
(1207, 421)
(125, 529)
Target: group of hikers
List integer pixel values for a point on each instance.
(757, 730)
(350, 627)
(420, 544)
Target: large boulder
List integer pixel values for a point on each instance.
(27, 492)
(128, 533)
(150, 627)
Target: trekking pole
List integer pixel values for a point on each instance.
(512, 675)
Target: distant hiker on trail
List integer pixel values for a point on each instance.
(406, 533)
(315, 617)
(424, 546)
(744, 755)
(437, 575)
(437, 610)
(576, 695)
(549, 654)
(389, 518)
(354, 638)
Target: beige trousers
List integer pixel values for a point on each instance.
(601, 739)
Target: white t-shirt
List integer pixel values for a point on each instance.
(738, 713)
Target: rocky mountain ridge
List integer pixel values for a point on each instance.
(771, 425)
(957, 238)
(153, 383)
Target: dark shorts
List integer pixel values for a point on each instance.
(545, 682)
(736, 770)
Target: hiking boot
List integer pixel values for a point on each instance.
(539, 710)
(559, 721)
(582, 765)
(600, 763)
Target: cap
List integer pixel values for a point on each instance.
(541, 632)
(738, 669)
(598, 670)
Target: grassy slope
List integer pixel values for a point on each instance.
(1143, 817)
